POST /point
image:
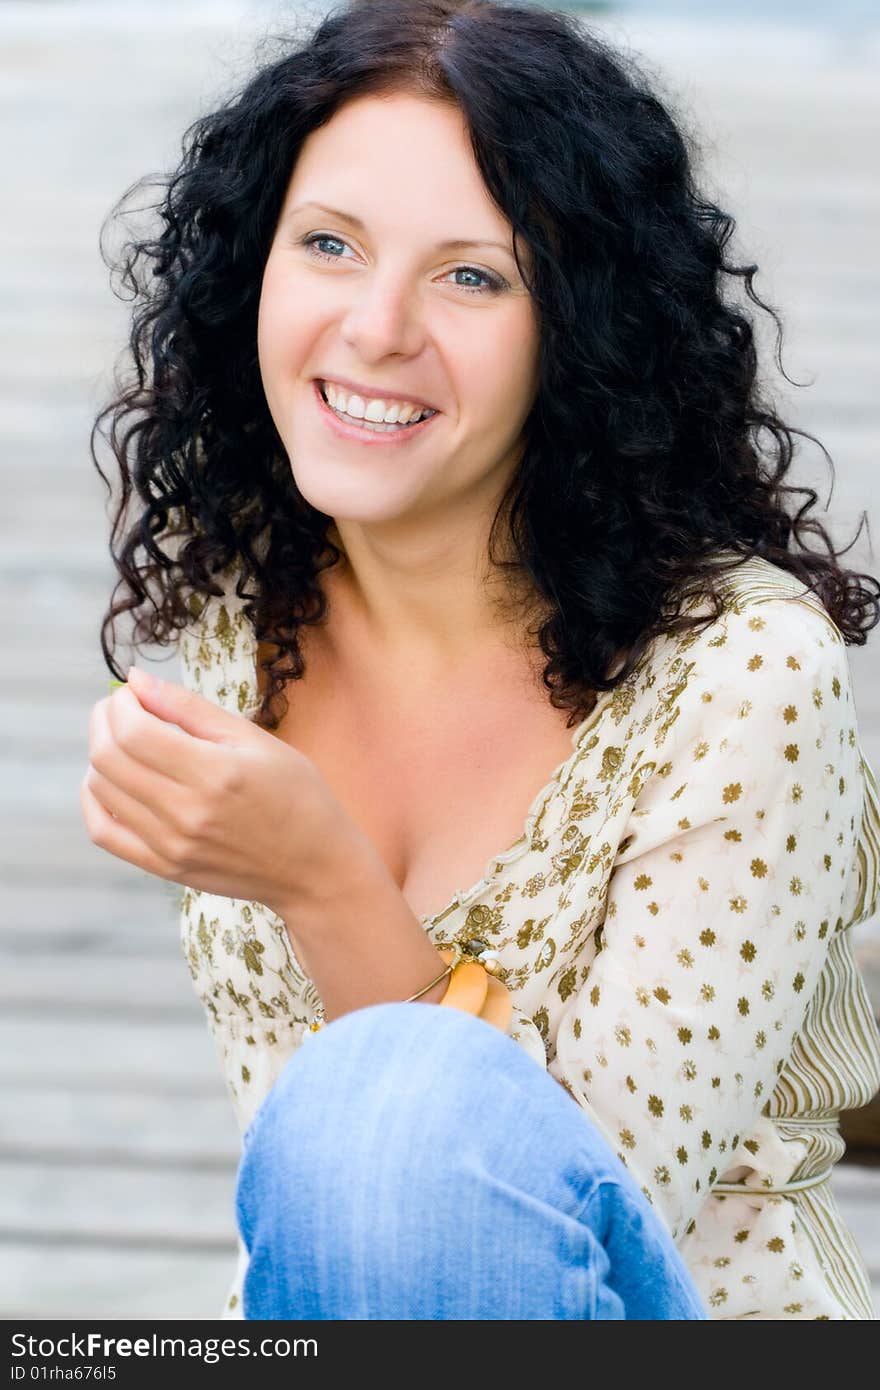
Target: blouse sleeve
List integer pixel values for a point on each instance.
(724, 894)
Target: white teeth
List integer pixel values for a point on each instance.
(376, 411)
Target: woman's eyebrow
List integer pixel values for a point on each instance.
(456, 244)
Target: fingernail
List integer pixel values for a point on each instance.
(145, 679)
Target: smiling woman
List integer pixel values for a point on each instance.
(511, 686)
(393, 324)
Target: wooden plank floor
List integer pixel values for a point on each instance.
(117, 1140)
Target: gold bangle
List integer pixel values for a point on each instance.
(456, 953)
(442, 976)
(472, 988)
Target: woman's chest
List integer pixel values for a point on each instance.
(492, 823)
(439, 789)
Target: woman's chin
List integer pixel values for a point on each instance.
(361, 504)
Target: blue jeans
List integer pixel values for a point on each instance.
(414, 1162)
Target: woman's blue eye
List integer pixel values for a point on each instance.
(313, 240)
(493, 284)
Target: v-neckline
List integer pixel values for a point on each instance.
(465, 896)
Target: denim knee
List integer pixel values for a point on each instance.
(400, 1075)
(406, 1148)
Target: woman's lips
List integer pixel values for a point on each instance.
(386, 438)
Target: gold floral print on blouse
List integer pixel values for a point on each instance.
(673, 927)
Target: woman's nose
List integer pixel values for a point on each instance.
(384, 317)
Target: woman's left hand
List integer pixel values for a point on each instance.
(193, 793)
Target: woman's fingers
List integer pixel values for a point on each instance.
(155, 834)
(151, 806)
(111, 834)
(155, 744)
(142, 795)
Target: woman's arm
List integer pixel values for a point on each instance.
(201, 796)
(720, 908)
(355, 934)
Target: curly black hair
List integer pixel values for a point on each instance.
(650, 447)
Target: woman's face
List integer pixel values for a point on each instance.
(377, 299)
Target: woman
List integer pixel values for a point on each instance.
(458, 490)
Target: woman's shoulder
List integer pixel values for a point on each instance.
(779, 628)
(756, 582)
(765, 609)
(770, 659)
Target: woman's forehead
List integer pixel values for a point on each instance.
(389, 161)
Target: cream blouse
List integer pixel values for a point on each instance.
(673, 926)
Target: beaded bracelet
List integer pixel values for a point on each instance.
(467, 988)
(474, 990)
(472, 986)
(456, 953)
